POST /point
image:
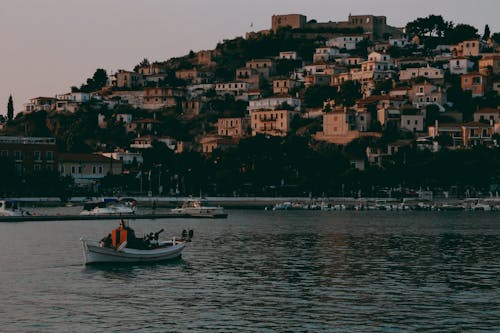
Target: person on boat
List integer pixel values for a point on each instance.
(106, 241)
(123, 233)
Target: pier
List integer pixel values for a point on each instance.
(36, 218)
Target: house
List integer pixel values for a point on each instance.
(143, 126)
(289, 55)
(125, 118)
(398, 42)
(284, 86)
(233, 127)
(40, 104)
(249, 75)
(274, 122)
(125, 156)
(265, 67)
(127, 79)
(318, 80)
(452, 131)
(388, 116)
(210, 143)
(467, 48)
(490, 65)
(339, 126)
(460, 66)
(425, 93)
(477, 133)
(159, 97)
(474, 82)
(487, 115)
(412, 120)
(30, 154)
(275, 102)
(134, 98)
(429, 73)
(325, 53)
(192, 107)
(348, 42)
(88, 169)
(350, 61)
(234, 88)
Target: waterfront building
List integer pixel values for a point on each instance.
(87, 170)
(30, 154)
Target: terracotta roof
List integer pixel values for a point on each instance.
(70, 157)
(476, 124)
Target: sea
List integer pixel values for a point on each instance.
(262, 271)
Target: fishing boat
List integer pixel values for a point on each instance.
(198, 208)
(109, 207)
(119, 248)
(12, 208)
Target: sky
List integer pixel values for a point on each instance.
(47, 46)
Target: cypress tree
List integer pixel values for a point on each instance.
(10, 108)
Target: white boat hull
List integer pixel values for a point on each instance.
(201, 212)
(93, 253)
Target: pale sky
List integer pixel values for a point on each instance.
(46, 46)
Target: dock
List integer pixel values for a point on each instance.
(36, 218)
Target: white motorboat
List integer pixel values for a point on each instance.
(94, 252)
(11, 208)
(108, 207)
(122, 246)
(199, 209)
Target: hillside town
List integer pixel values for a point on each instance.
(357, 107)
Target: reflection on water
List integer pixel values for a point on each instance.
(264, 272)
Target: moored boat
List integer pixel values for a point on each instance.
(198, 208)
(12, 208)
(108, 207)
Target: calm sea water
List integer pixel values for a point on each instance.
(263, 271)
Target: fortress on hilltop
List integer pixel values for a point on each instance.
(374, 26)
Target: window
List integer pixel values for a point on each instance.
(94, 170)
(18, 156)
(73, 170)
(50, 156)
(4, 153)
(421, 90)
(37, 167)
(80, 169)
(37, 156)
(100, 170)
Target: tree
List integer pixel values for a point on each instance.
(348, 93)
(98, 80)
(486, 33)
(315, 95)
(10, 108)
(460, 33)
(496, 37)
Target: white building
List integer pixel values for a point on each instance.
(460, 66)
(430, 73)
(345, 42)
(325, 53)
(273, 103)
